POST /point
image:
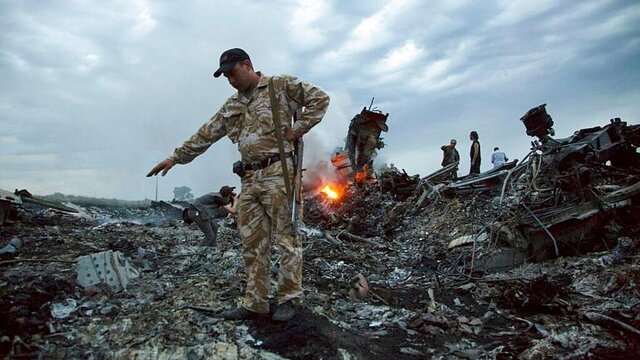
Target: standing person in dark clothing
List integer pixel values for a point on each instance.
(476, 159)
(205, 210)
(450, 155)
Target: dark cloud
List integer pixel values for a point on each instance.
(96, 93)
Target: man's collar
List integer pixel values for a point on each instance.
(264, 80)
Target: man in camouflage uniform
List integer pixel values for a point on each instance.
(264, 207)
(450, 155)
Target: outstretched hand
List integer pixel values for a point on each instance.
(164, 166)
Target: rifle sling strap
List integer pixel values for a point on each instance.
(283, 159)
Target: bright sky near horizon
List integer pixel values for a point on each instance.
(94, 93)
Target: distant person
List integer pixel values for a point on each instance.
(498, 158)
(450, 156)
(206, 209)
(474, 153)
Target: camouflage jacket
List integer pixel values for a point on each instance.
(248, 122)
(450, 156)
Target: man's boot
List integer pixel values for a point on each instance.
(284, 312)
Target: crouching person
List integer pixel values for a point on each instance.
(206, 209)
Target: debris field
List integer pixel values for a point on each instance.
(538, 259)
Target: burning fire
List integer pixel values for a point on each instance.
(332, 192)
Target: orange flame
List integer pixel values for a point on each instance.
(331, 192)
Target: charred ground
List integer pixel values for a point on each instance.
(380, 279)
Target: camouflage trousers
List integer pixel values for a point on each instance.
(265, 220)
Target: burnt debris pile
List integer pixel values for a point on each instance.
(538, 258)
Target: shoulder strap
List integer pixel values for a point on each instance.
(276, 121)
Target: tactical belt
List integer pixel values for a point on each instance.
(258, 165)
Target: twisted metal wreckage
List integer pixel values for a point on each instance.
(10, 201)
(554, 202)
(557, 199)
(361, 145)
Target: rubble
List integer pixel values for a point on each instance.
(11, 248)
(554, 201)
(396, 268)
(8, 202)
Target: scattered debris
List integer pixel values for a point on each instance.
(11, 248)
(107, 267)
(8, 203)
(537, 259)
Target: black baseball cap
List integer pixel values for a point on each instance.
(228, 60)
(226, 190)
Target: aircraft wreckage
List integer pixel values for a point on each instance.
(552, 202)
(395, 265)
(549, 204)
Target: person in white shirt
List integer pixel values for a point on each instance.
(498, 158)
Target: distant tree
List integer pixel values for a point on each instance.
(182, 193)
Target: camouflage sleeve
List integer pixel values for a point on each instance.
(198, 143)
(314, 100)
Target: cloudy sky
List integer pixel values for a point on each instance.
(94, 93)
